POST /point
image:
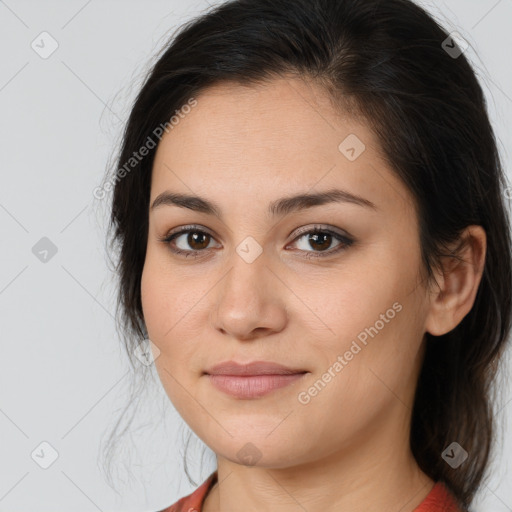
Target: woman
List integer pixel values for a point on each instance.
(312, 233)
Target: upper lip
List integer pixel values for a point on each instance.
(252, 368)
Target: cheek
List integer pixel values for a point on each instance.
(167, 298)
(364, 376)
(161, 315)
(175, 318)
(371, 320)
(153, 301)
(346, 304)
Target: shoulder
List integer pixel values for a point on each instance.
(439, 499)
(193, 502)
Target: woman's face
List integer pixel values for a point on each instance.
(347, 314)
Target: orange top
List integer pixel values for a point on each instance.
(439, 499)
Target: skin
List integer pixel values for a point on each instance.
(348, 447)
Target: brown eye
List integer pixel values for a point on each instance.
(188, 241)
(194, 242)
(320, 240)
(198, 240)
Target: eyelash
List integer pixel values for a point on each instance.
(346, 242)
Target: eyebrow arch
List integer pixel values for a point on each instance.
(278, 208)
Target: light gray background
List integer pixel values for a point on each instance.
(63, 376)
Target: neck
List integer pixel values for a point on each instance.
(362, 479)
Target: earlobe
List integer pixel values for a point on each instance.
(458, 283)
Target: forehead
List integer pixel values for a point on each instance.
(286, 118)
(283, 135)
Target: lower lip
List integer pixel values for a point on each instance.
(252, 386)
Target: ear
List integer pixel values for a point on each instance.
(458, 283)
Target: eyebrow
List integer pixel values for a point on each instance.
(278, 208)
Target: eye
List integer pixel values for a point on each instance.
(195, 238)
(192, 241)
(321, 239)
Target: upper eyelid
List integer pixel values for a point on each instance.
(301, 231)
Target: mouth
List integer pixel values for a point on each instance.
(252, 380)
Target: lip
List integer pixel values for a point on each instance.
(252, 368)
(252, 380)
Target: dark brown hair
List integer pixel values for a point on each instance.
(386, 62)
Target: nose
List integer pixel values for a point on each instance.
(249, 302)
